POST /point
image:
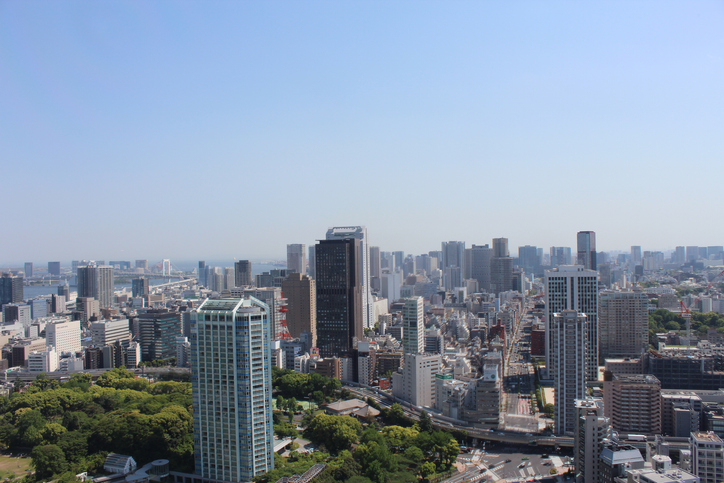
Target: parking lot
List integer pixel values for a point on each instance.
(512, 466)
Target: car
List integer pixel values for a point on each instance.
(545, 455)
(508, 461)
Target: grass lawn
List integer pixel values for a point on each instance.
(11, 467)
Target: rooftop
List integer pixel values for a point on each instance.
(706, 437)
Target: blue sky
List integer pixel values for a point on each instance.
(229, 129)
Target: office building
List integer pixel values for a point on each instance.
(64, 335)
(242, 270)
(139, 287)
(157, 331)
(633, 403)
(22, 349)
(233, 433)
(480, 256)
(202, 273)
(88, 309)
(57, 304)
(528, 259)
(64, 290)
(569, 347)
(359, 233)
(560, 256)
(572, 287)
(339, 295)
(707, 456)
(453, 264)
(11, 289)
(297, 258)
(636, 258)
(272, 297)
(692, 253)
(623, 324)
(142, 265)
(413, 323)
(416, 382)
(587, 249)
(43, 361)
(301, 294)
(96, 281)
(312, 265)
(592, 431)
(618, 459)
(28, 269)
(54, 269)
(21, 313)
(109, 331)
(501, 267)
(375, 262)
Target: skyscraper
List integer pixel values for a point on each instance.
(587, 249)
(375, 262)
(96, 281)
(301, 294)
(28, 269)
(157, 330)
(139, 287)
(591, 431)
(453, 256)
(11, 289)
(528, 259)
(501, 267)
(623, 324)
(569, 349)
(560, 256)
(359, 233)
(413, 323)
(231, 384)
(312, 263)
(54, 269)
(636, 255)
(242, 274)
(202, 274)
(571, 287)
(297, 258)
(339, 295)
(480, 256)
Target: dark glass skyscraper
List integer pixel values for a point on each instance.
(339, 295)
(242, 274)
(587, 249)
(11, 289)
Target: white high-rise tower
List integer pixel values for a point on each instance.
(360, 233)
(572, 287)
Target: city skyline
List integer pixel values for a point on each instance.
(150, 108)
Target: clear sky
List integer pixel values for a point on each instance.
(229, 129)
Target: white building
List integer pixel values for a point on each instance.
(133, 355)
(360, 233)
(301, 363)
(572, 287)
(64, 335)
(297, 258)
(416, 383)
(233, 434)
(413, 323)
(390, 285)
(183, 351)
(569, 347)
(43, 361)
(707, 455)
(592, 430)
(108, 331)
(71, 364)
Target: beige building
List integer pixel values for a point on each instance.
(707, 456)
(633, 403)
(623, 324)
(301, 294)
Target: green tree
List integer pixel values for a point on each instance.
(336, 432)
(52, 432)
(414, 453)
(398, 437)
(48, 460)
(74, 445)
(427, 470)
(425, 422)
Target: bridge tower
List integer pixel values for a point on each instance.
(166, 267)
